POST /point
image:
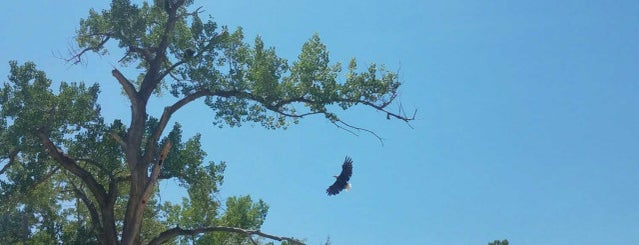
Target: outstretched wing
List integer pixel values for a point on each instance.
(347, 170)
(335, 188)
(342, 180)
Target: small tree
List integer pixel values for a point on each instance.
(498, 242)
(70, 176)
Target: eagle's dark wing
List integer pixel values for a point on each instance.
(347, 170)
(335, 188)
(342, 180)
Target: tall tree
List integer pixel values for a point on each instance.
(67, 175)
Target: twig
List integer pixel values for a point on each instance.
(381, 140)
(77, 58)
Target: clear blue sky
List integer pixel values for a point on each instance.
(527, 130)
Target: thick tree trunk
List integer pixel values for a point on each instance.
(134, 210)
(135, 207)
(110, 233)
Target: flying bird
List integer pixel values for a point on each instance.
(341, 180)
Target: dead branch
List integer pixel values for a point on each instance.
(77, 57)
(349, 126)
(155, 172)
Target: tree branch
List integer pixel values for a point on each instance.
(127, 178)
(12, 160)
(78, 56)
(275, 107)
(170, 69)
(388, 113)
(70, 165)
(196, 11)
(128, 87)
(155, 173)
(96, 164)
(152, 77)
(120, 142)
(166, 116)
(348, 127)
(95, 217)
(177, 231)
(144, 52)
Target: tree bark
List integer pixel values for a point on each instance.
(108, 214)
(135, 207)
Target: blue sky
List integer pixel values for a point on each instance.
(527, 129)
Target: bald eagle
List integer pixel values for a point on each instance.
(341, 180)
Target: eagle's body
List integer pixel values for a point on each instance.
(341, 180)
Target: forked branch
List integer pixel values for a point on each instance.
(76, 57)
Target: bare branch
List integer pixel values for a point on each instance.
(177, 231)
(382, 108)
(348, 126)
(77, 58)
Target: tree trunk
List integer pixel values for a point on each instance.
(110, 234)
(135, 207)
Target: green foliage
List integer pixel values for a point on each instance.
(68, 176)
(241, 212)
(267, 90)
(11, 226)
(498, 242)
(37, 184)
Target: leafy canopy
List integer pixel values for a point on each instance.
(68, 175)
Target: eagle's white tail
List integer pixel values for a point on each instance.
(348, 187)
